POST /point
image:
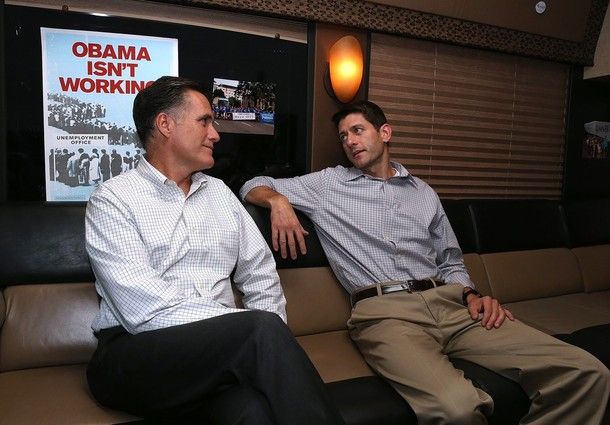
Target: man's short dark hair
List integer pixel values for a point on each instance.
(164, 94)
(371, 112)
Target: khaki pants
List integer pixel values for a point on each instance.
(408, 337)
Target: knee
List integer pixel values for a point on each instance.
(463, 408)
(464, 417)
(260, 319)
(452, 415)
(599, 375)
(255, 411)
(266, 325)
(588, 372)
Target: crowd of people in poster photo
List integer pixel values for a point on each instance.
(77, 117)
(89, 167)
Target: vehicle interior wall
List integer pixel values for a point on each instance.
(318, 148)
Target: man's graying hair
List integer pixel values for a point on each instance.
(163, 95)
(371, 112)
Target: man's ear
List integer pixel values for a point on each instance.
(164, 123)
(386, 132)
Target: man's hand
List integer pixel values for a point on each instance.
(493, 314)
(286, 230)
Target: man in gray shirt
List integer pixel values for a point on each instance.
(391, 246)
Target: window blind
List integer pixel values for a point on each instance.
(472, 123)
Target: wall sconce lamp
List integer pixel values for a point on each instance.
(345, 65)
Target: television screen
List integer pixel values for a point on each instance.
(243, 107)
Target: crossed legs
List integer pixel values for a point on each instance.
(195, 371)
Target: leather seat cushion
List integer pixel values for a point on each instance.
(52, 395)
(316, 301)
(564, 314)
(335, 356)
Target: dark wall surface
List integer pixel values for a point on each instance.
(203, 55)
(586, 177)
(2, 112)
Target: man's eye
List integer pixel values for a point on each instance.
(342, 138)
(358, 130)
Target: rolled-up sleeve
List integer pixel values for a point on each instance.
(303, 192)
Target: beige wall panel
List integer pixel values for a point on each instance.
(601, 67)
(564, 19)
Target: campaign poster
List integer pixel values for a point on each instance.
(89, 82)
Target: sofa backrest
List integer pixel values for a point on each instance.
(44, 243)
(47, 325)
(588, 223)
(524, 275)
(459, 213)
(518, 224)
(524, 248)
(316, 301)
(48, 296)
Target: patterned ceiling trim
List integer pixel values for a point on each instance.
(393, 20)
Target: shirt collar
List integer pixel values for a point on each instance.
(149, 172)
(354, 173)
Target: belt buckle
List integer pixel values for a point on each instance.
(398, 286)
(406, 286)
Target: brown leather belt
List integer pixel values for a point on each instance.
(394, 286)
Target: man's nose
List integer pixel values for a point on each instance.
(213, 134)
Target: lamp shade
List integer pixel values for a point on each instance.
(345, 65)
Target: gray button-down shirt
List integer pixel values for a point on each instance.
(375, 230)
(162, 258)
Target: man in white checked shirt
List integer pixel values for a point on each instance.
(391, 246)
(164, 240)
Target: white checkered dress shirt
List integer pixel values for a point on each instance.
(374, 230)
(162, 259)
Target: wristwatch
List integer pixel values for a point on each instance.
(468, 292)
